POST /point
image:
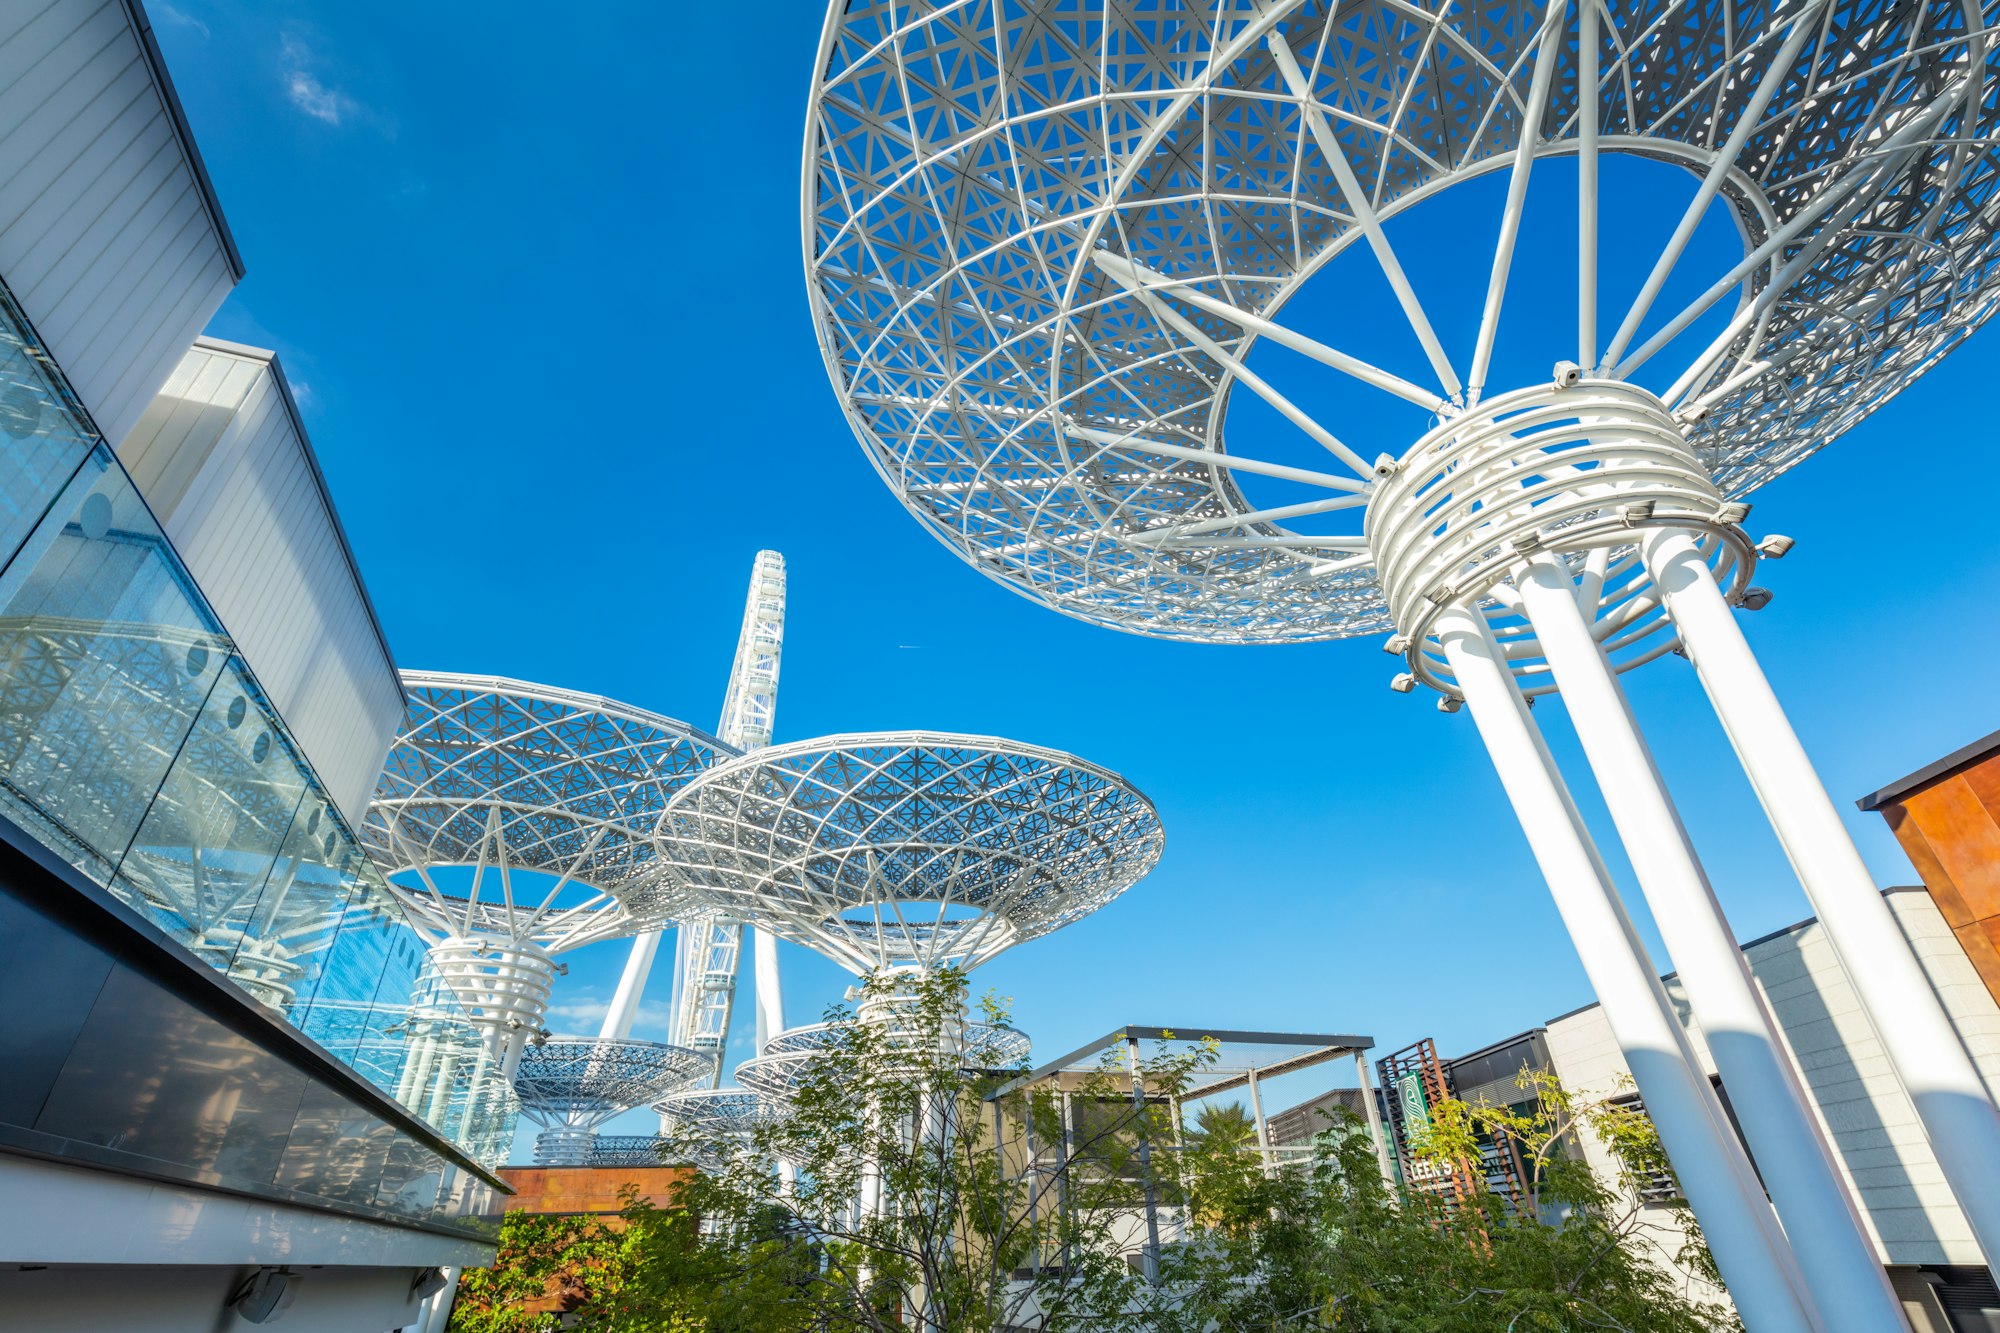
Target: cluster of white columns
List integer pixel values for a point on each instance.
(1809, 1265)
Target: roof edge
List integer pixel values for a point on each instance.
(1931, 772)
(142, 26)
(270, 358)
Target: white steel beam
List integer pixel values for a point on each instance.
(1742, 1231)
(1951, 1099)
(1842, 1270)
(1364, 212)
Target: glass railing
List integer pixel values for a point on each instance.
(135, 742)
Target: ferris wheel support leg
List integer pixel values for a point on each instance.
(1750, 1250)
(1951, 1099)
(624, 1010)
(770, 988)
(1843, 1273)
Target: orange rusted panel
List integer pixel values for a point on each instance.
(573, 1190)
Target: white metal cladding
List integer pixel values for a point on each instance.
(226, 465)
(110, 237)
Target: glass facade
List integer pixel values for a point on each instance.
(135, 741)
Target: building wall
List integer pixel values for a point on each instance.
(572, 1190)
(1877, 1139)
(225, 464)
(109, 234)
(1948, 821)
(189, 1299)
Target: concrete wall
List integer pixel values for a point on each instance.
(1871, 1124)
(110, 237)
(65, 1299)
(222, 458)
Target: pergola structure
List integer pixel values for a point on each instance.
(569, 1088)
(516, 821)
(1045, 246)
(1233, 1060)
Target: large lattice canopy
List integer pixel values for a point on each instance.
(505, 777)
(909, 848)
(563, 1080)
(1042, 238)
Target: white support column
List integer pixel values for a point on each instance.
(770, 989)
(1846, 1279)
(1263, 1129)
(1742, 1231)
(1374, 1117)
(1951, 1099)
(624, 1010)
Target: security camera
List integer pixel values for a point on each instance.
(426, 1283)
(265, 1294)
(1567, 374)
(1386, 465)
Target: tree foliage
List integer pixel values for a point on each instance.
(544, 1265)
(1329, 1245)
(922, 1188)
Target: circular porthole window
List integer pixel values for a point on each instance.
(197, 660)
(329, 846)
(94, 516)
(262, 749)
(237, 708)
(312, 825)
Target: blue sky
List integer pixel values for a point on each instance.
(538, 285)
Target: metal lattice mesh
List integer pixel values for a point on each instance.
(510, 777)
(909, 848)
(970, 167)
(569, 1082)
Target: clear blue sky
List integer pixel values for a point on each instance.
(536, 277)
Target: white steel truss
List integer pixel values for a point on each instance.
(909, 849)
(708, 949)
(1043, 241)
(569, 1088)
(552, 801)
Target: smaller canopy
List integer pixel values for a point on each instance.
(564, 1081)
(902, 849)
(505, 778)
(775, 1074)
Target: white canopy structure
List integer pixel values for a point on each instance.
(901, 851)
(571, 1087)
(909, 849)
(518, 820)
(1046, 244)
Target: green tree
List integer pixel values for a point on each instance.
(543, 1265)
(1328, 1245)
(929, 1195)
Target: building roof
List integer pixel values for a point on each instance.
(278, 377)
(156, 64)
(1982, 748)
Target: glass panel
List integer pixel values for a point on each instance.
(105, 661)
(135, 743)
(205, 851)
(41, 445)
